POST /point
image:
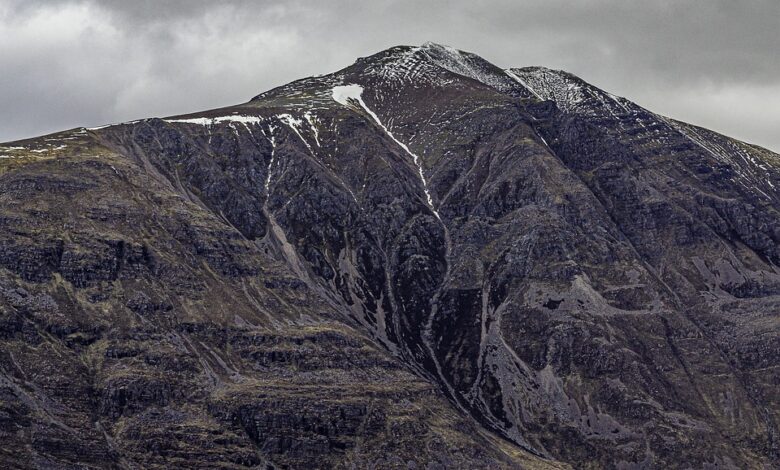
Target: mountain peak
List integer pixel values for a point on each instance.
(430, 64)
(408, 262)
(435, 45)
(434, 64)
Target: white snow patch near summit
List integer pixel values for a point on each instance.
(204, 121)
(343, 93)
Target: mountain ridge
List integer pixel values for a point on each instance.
(594, 283)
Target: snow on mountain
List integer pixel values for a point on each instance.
(347, 95)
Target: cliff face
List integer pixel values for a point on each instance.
(419, 260)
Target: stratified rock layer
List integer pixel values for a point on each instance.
(420, 261)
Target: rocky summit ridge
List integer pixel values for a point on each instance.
(418, 261)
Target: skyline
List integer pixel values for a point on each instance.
(72, 63)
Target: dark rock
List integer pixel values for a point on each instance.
(284, 284)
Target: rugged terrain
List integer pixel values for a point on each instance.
(419, 261)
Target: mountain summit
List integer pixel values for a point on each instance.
(419, 261)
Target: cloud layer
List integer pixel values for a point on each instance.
(68, 63)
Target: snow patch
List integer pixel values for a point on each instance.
(49, 149)
(291, 120)
(204, 121)
(342, 94)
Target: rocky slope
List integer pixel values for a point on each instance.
(419, 261)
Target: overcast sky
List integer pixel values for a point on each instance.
(69, 63)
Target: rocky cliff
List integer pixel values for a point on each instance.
(419, 261)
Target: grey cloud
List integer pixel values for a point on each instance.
(83, 62)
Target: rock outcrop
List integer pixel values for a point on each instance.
(419, 261)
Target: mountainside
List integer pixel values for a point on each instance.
(419, 261)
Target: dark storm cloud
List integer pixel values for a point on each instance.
(82, 62)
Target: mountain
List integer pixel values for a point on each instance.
(419, 261)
